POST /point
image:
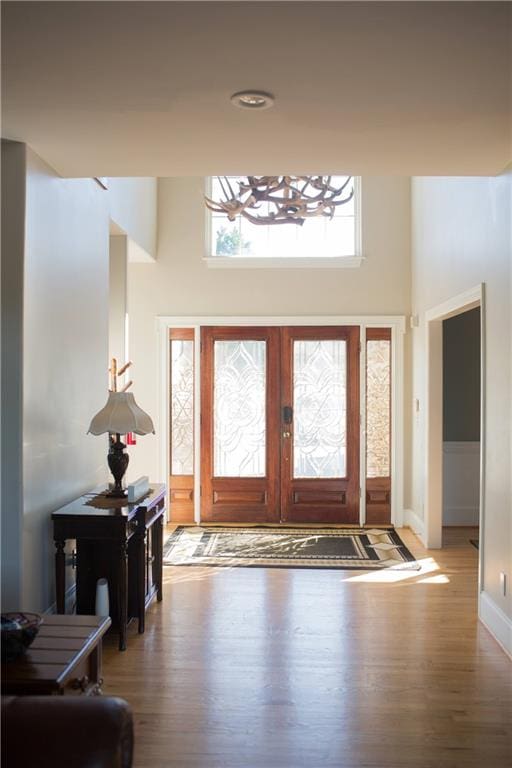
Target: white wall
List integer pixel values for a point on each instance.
(64, 357)
(13, 253)
(55, 318)
(118, 277)
(179, 283)
(133, 208)
(462, 237)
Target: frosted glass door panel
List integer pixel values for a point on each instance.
(182, 407)
(320, 409)
(378, 408)
(239, 418)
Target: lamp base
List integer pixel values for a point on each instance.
(114, 494)
(118, 463)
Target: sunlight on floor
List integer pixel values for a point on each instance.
(441, 579)
(173, 574)
(402, 573)
(391, 575)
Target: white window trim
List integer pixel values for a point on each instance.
(395, 322)
(299, 262)
(268, 262)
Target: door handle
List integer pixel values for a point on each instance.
(287, 414)
(287, 434)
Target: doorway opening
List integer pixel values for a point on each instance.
(434, 421)
(280, 425)
(285, 424)
(461, 427)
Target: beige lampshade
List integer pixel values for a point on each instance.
(121, 415)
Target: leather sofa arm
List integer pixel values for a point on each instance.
(64, 731)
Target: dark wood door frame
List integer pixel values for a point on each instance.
(278, 497)
(333, 500)
(181, 487)
(251, 499)
(395, 326)
(378, 489)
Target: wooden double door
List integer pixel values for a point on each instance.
(280, 424)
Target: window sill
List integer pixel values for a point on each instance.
(253, 262)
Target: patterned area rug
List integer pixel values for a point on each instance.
(343, 548)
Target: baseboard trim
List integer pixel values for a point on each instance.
(69, 601)
(415, 522)
(458, 447)
(496, 621)
(461, 516)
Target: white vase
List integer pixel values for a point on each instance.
(102, 605)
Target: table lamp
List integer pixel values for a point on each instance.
(120, 416)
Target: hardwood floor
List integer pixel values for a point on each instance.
(271, 668)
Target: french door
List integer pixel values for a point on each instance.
(280, 424)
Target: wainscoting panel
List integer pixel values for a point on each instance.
(461, 483)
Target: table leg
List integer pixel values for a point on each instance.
(159, 556)
(123, 595)
(60, 575)
(141, 578)
(95, 667)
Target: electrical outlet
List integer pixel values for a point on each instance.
(503, 583)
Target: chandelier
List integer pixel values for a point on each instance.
(289, 199)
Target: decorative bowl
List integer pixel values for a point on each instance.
(18, 631)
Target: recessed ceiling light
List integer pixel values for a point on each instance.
(252, 100)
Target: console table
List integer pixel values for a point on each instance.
(116, 540)
(64, 658)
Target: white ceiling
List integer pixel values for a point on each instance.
(142, 88)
